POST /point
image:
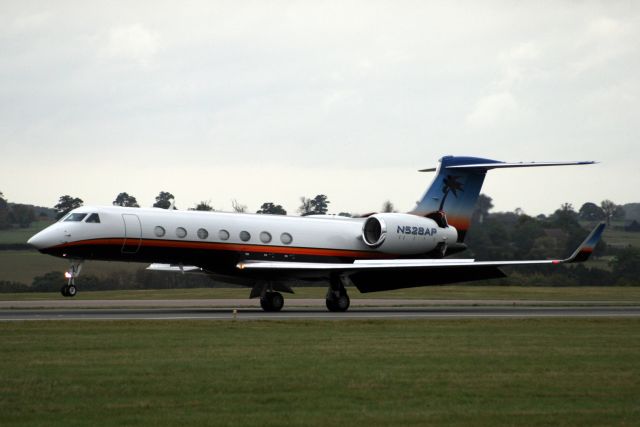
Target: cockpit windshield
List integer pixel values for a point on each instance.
(75, 217)
(93, 218)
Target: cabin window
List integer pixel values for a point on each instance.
(94, 218)
(75, 217)
(159, 231)
(181, 232)
(265, 237)
(286, 238)
(223, 235)
(202, 233)
(245, 236)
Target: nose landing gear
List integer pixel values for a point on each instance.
(70, 290)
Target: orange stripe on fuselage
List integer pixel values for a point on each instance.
(230, 247)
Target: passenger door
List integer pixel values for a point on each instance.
(132, 233)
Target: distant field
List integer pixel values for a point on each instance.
(506, 293)
(23, 266)
(621, 238)
(569, 372)
(21, 235)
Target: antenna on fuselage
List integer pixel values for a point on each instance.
(172, 206)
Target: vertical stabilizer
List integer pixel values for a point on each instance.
(454, 191)
(457, 185)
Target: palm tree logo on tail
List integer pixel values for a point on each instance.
(450, 184)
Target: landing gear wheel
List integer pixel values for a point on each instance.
(71, 291)
(272, 301)
(63, 291)
(338, 304)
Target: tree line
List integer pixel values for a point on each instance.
(18, 215)
(516, 235)
(165, 200)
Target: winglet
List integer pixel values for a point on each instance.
(585, 250)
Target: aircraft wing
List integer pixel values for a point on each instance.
(377, 275)
(581, 254)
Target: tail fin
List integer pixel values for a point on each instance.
(457, 186)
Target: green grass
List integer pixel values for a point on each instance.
(23, 266)
(506, 293)
(424, 372)
(621, 238)
(21, 235)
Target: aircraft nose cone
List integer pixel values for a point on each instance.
(36, 241)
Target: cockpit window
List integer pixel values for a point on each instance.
(93, 218)
(75, 217)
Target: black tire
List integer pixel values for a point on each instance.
(71, 291)
(339, 304)
(331, 304)
(63, 291)
(277, 301)
(342, 303)
(272, 301)
(265, 303)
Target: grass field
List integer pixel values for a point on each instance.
(621, 238)
(463, 372)
(21, 235)
(23, 266)
(506, 293)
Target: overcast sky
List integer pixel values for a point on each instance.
(269, 101)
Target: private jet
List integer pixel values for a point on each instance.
(270, 253)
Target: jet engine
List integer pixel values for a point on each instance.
(405, 234)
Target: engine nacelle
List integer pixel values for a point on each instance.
(405, 234)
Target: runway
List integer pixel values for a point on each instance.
(439, 312)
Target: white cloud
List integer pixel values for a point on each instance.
(493, 109)
(132, 43)
(351, 85)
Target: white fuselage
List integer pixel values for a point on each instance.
(217, 241)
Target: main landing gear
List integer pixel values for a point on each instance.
(337, 298)
(270, 298)
(70, 290)
(272, 301)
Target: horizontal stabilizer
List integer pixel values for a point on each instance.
(502, 165)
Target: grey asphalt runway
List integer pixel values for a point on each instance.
(441, 312)
(243, 303)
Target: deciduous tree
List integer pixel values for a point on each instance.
(610, 210)
(319, 205)
(124, 199)
(238, 207)
(163, 200)
(23, 215)
(271, 209)
(203, 206)
(591, 212)
(67, 203)
(4, 212)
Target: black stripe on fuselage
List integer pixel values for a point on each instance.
(213, 256)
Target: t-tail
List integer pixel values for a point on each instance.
(457, 185)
